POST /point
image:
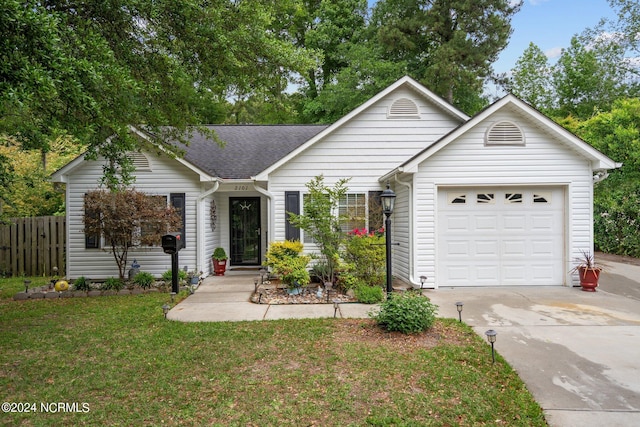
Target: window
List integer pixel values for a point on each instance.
(485, 198)
(510, 198)
(352, 210)
(542, 197)
(457, 198)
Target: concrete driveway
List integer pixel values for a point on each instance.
(577, 352)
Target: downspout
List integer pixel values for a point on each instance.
(412, 251)
(270, 210)
(199, 224)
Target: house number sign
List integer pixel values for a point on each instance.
(241, 187)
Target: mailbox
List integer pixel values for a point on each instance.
(172, 243)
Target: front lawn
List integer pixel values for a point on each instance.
(117, 361)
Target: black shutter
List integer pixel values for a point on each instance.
(291, 205)
(178, 201)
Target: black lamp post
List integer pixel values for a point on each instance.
(388, 198)
(491, 337)
(459, 308)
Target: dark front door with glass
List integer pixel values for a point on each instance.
(245, 230)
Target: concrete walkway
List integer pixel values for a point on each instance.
(577, 352)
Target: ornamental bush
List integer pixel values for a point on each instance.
(369, 294)
(285, 260)
(366, 257)
(408, 312)
(144, 279)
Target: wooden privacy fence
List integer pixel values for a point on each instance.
(33, 246)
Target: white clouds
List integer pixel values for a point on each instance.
(554, 52)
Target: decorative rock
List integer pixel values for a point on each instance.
(94, 293)
(79, 294)
(37, 295)
(109, 293)
(21, 296)
(66, 294)
(124, 292)
(51, 295)
(137, 291)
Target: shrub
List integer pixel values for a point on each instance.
(285, 260)
(347, 280)
(166, 276)
(369, 294)
(366, 256)
(144, 279)
(113, 284)
(409, 312)
(81, 284)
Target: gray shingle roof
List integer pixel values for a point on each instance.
(249, 149)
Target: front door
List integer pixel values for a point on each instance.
(245, 230)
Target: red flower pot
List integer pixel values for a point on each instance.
(589, 278)
(219, 267)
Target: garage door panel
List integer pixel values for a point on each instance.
(485, 247)
(514, 248)
(485, 223)
(515, 238)
(514, 223)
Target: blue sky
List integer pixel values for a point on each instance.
(550, 24)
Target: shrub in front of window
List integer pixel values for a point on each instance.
(365, 254)
(285, 260)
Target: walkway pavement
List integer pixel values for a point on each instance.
(577, 352)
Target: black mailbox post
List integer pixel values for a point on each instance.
(171, 244)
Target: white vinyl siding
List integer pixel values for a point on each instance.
(364, 149)
(99, 263)
(542, 162)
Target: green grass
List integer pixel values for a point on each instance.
(132, 367)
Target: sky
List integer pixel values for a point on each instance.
(550, 24)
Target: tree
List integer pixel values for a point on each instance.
(587, 77)
(320, 222)
(91, 69)
(531, 79)
(126, 219)
(29, 192)
(616, 199)
(448, 45)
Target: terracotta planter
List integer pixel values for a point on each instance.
(219, 267)
(589, 278)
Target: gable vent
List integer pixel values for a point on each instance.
(404, 108)
(504, 133)
(140, 162)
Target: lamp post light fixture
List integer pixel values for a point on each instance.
(459, 308)
(388, 198)
(422, 280)
(336, 306)
(255, 284)
(491, 337)
(263, 272)
(165, 309)
(173, 295)
(26, 286)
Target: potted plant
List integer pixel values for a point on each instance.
(588, 272)
(219, 258)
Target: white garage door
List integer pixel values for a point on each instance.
(500, 236)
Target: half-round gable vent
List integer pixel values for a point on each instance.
(140, 161)
(403, 107)
(504, 133)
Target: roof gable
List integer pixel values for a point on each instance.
(599, 160)
(406, 81)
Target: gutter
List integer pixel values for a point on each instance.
(270, 209)
(200, 224)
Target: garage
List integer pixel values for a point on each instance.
(500, 236)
